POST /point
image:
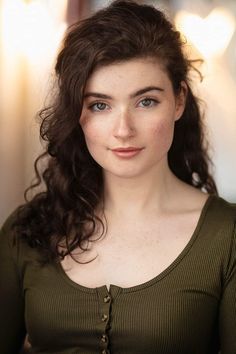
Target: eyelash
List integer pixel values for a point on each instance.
(93, 105)
(154, 101)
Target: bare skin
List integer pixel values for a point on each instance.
(137, 247)
(151, 215)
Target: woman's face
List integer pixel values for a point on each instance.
(128, 116)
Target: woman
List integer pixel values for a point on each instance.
(129, 249)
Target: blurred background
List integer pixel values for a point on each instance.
(30, 35)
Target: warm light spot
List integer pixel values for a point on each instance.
(210, 35)
(29, 29)
(13, 17)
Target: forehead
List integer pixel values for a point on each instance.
(126, 74)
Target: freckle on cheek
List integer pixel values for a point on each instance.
(161, 127)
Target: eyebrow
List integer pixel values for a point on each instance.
(133, 95)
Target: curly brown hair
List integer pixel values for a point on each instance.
(65, 211)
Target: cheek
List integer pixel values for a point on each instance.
(162, 133)
(94, 137)
(92, 134)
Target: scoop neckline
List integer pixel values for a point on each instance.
(115, 288)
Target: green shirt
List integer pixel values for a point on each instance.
(190, 308)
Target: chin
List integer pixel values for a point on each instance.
(123, 174)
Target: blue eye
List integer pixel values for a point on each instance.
(98, 107)
(148, 102)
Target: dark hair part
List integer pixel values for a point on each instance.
(64, 214)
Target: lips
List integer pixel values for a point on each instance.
(126, 152)
(128, 149)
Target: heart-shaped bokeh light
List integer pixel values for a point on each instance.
(210, 35)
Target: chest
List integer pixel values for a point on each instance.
(167, 314)
(129, 255)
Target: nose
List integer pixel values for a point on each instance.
(124, 126)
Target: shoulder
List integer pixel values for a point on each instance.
(8, 247)
(7, 229)
(217, 235)
(220, 226)
(217, 226)
(12, 243)
(219, 217)
(220, 210)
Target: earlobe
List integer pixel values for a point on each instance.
(181, 100)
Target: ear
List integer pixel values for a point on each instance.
(181, 100)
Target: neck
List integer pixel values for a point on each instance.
(139, 195)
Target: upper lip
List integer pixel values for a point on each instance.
(130, 148)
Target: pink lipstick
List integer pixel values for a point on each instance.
(126, 152)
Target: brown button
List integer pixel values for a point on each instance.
(107, 298)
(104, 317)
(104, 338)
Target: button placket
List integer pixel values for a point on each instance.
(106, 307)
(104, 299)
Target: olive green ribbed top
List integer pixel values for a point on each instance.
(190, 308)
